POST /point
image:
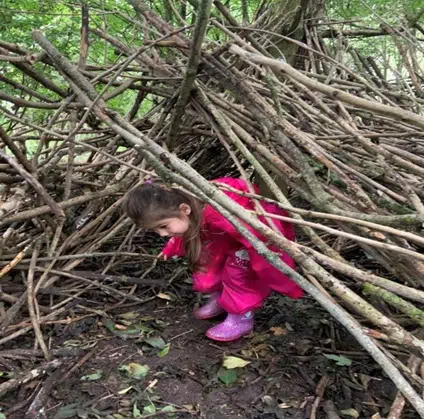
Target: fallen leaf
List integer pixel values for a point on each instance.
(156, 341)
(228, 377)
(149, 409)
(231, 362)
(164, 296)
(168, 409)
(135, 370)
(120, 327)
(164, 351)
(340, 360)
(136, 411)
(125, 390)
(278, 331)
(91, 377)
(377, 235)
(350, 412)
(152, 384)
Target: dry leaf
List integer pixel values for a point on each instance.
(152, 383)
(120, 327)
(278, 331)
(377, 235)
(231, 362)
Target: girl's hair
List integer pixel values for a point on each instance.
(153, 201)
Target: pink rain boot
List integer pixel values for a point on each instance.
(233, 327)
(211, 309)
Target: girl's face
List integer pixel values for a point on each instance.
(174, 226)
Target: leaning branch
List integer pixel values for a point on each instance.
(202, 18)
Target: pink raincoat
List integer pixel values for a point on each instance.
(234, 267)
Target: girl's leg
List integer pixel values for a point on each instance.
(208, 283)
(211, 309)
(232, 328)
(242, 293)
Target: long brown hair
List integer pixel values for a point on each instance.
(153, 201)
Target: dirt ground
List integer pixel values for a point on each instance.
(300, 365)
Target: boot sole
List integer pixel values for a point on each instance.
(218, 339)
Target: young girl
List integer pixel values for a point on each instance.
(224, 263)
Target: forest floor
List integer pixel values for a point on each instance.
(301, 365)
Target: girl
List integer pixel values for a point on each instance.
(224, 263)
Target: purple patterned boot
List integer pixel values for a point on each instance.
(211, 309)
(233, 327)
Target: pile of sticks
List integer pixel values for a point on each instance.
(347, 142)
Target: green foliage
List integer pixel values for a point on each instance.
(92, 377)
(134, 370)
(228, 377)
(361, 14)
(340, 360)
(389, 10)
(60, 22)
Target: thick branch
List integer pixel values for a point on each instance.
(202, 18)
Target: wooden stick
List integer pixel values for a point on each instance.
(32, 303)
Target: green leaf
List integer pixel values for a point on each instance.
(228, 377)
(231, 362)
(149, 409)
(91, 377)
(156, 341)
(168, 409)
(350, 412)
(135, 370)
(164, 351)
(136, 411)
(342, 361)
(3, 416)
